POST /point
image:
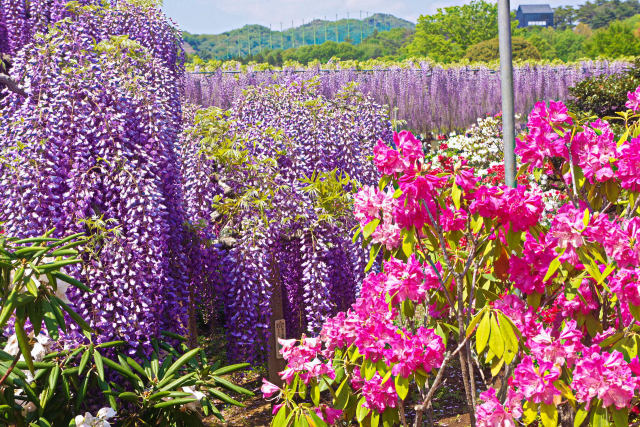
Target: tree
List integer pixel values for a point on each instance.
(445, 35)
(488, 50)
(564, 16)
(617, 40)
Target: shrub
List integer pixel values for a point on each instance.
(605, 95)
(488, 50)
(553, 309)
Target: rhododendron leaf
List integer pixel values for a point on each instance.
(476, 224)
(607, 271)
(581, 416)
(397, 193)
(564, 389)
(373, 254)
(374, 419)
(624, 137)
(529, 412)
(600, 417)
(476, 319)
(593, 325)
(534, 299)
(402, 386)
(483, 332)
(314, 420)
(456, 194)
(421, 377)
(496, 343)
(553, 267)
(361, 411)
(548, 415)
(302, 389)
(620, 416)
(514, 240)
(612, 190)
(368, 369)
(496, 366)
(384, 181)
(370, 227)
(356, 234)
(510, 339)
(279, 419)
(315, 394)
(628, 347)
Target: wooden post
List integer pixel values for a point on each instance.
(277, 326)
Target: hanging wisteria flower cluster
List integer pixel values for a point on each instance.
(271, 185)
(429, 97)
(554, 310)
(93, 145)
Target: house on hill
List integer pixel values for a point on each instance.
(534, 14)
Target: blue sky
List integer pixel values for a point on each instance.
(216, 16)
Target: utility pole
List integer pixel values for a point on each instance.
(325, 28)
(337, 35)
(270, 38)
(348, 28)
(506, 87)
(293, 35)
(361, 23)
(315, 40)
(303, 42)
(281, 37)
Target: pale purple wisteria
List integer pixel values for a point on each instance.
(430, 98)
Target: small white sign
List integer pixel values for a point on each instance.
(281, 333)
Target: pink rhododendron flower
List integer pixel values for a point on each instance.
(568, 230)
(634, 100)
(583, 302)
(491, 413)
(386, 159)
(453, 220)
(629, 165)
(595, 152)
(625, 283)
(467, 180)
(268, 389)
(528, 272)
(543, 141)
(536, 383)
(409, 145)
(327, 414)
(621, 241)
(387, 234)
(378, 396)
(606, 376)
(557, 348)
(424, 350)
(405, 280)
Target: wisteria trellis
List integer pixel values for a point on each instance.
(430, 98)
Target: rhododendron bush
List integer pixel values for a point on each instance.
(471, 272)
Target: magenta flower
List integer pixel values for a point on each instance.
(386, 159)
(327, 414)
(268, 389)
(634, 100)
(491, 413)
(606, 376)
(536, 383)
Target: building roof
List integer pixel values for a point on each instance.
(535, 8)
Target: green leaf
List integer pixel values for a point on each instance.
(174, 402)
(456, 194)
(402, 387)
(125, 371)
(225, 398)
(510, 339)
(230, 386)
(370, 227)
(342, 395)
(482, 334)
(127, 395)
(97, 357)
(23, 343)
(496, 343)
(620, 416)
(181, 361)
(548, 415)
(373, 254)
(231, 368)
(76, 318)
(361, 411)
(315, 394)
(529, 412)
(553, 267)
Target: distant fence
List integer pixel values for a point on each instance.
(428, 98)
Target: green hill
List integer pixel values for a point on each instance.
(252, 39)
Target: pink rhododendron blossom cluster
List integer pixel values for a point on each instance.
(553, 303)
(604, 375)
(634, 100)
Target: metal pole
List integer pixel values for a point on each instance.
(506, 86)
